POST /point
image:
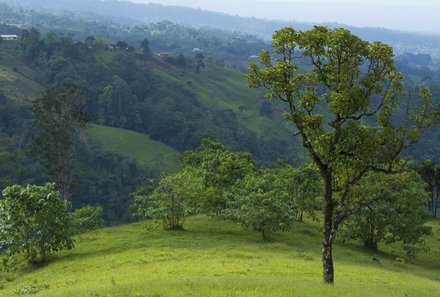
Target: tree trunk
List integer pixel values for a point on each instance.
(300, 216)
(370, 244)
(435, 204)
(327, 241)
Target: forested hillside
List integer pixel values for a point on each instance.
(194, 90)
(175, 100)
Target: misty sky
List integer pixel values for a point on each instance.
(407, 15)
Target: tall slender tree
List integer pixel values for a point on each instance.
(58, 120)
(342, 93)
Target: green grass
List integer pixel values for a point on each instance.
(151, 154)
(217, 258)
(17, 80)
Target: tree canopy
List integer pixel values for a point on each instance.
(342, 93)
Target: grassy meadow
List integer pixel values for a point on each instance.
(150, 154)
(217, 258)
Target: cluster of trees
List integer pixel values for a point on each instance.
(231, 185)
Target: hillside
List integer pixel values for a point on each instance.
(149, 109)
(171, 103)
(217, 258)
(153, 155)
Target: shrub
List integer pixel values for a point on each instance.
(389, 209)
(87, 218)
(176, 197)
(262, 202)
(34, 221)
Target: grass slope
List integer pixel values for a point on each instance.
(222, 88)
(151, 154)
(217, 258)
(17, 81)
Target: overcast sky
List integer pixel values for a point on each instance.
(407, 15)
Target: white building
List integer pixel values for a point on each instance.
(8, 37)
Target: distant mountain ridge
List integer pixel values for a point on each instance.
(135, 13)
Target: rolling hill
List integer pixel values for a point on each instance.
(217, 258)
(153, 155)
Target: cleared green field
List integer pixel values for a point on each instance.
(17, 81)
(218, 258)
(151, 154)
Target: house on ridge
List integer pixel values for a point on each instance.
(8, 37)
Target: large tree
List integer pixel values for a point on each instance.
(342, 95)
(58, 119)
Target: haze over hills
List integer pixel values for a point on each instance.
(131, 13)
(406, 15)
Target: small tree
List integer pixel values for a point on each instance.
(34, 221)
(219, 168)
(87, 218)
(175, 198)
(262, 203)
(199, 62)
(389, 208)
(145, 46)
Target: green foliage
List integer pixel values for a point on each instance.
(262, 203)
(199, 62)
(6, 161)
(429, 170)
(303, 186)
(87, 218)
(389, 209)
(116, 104)
(140, 202)
(145, 47)
(343, 108)
(34, 221)
(175, 198)
(59, 118)
(219, 169)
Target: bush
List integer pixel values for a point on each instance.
(389, 209)
(262, 203)
(87, 218)
(34, 221)
(176, 197)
